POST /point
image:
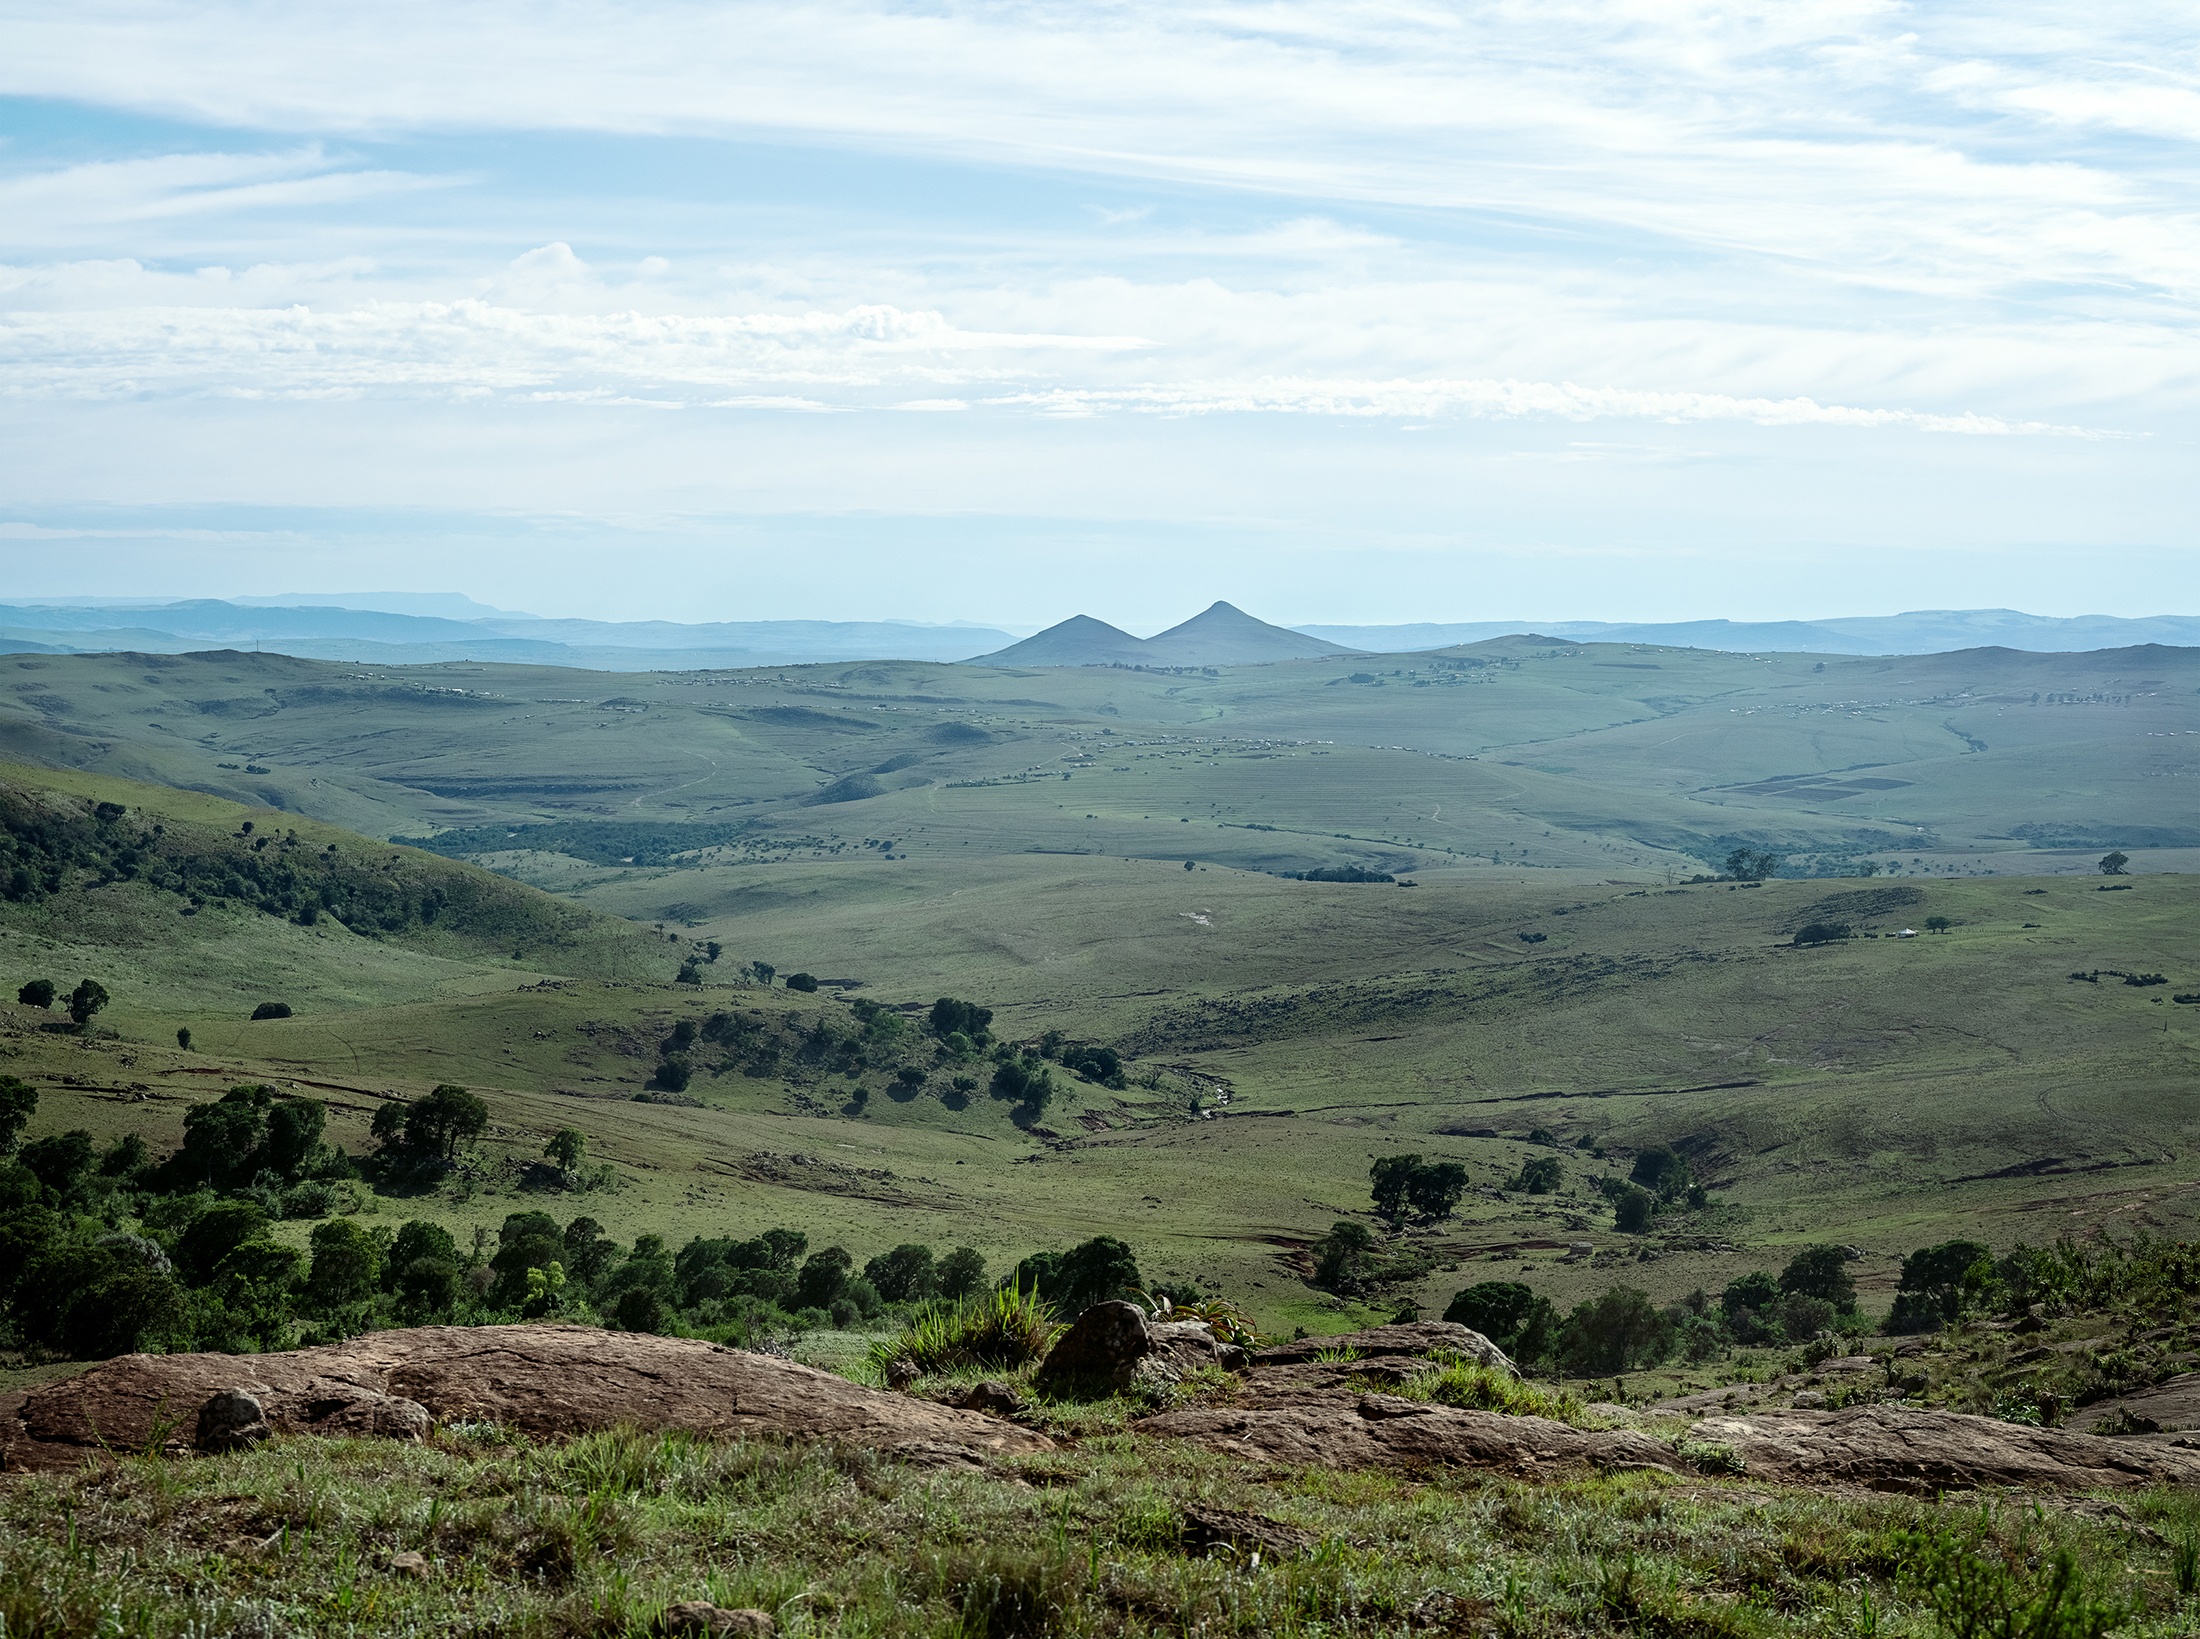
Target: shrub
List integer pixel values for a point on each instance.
(639, 1310)
(311, 1199)
(1979, 1587)
(802, 981)
(347, 1264)
(272, 1010)
(673, 1073)
(1002, 1329)
(39, 993)
(18, 1103)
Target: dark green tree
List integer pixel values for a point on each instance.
(1435, 1189)
(214, 1232)
(1345, 1260)
(294, 1127)
(85, 1001)
(1633, 1208)
(1821, 1272)
(905, 1274)
(568, 1148)
(1620, 1331)
(1390, 1183)
(961, 1272)
(39, 993)
(60, 1161)
(1542, 1176)
(1938, 1283)
(825, 1276)
(447, 1117)
(347, 1264)
(18, 1103)
(2113, 863)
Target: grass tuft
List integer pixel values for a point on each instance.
(1475, 1387)
(998, 1330)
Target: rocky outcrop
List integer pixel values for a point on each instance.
(1896, 1448)
(1420, 1339)
(1383, 1431)
(1113, 1347)
(539, 1380)
(2169, 1408)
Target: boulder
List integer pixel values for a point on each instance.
(540, 1380)
(1383, 1431)
(1230, 1531)
(230, 1419)
(1100, 1352)
(1897, 1448)
(995, 1399)
(1419, 1338)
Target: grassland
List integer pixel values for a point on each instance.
(909, 831)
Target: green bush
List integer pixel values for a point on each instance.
(998, 1330)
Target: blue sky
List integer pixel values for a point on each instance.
(1002, 311)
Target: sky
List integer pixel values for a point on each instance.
(1001, 311)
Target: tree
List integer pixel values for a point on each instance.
(1495, 1308)
(347, 1264)
(950, 1017)
(903, 1275)
(1620, 1331)
(801, 981)
(1747, 1304)
(2113, 863)
(439, 1123)
(1091, 1272)
(271, 1010)
(1542, 1176)
(60, 1161)
(1632, 1209)
(825, 1275)
(1390, 1180)
(215, 1232)
(639, 1309)
(568, 1147)
(1821, 1272)
(961, 1272)
(85, 1001)
(1748, 865)
(1435, 1189)
(1346, 1258)
(183, 1037)
(1661, 1171)
(294, 1127)
(38, 993)
(18, 1103)
(1938, 1283)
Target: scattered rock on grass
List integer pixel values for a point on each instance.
(700, 1619)
(230, 1419)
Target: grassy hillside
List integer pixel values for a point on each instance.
(1023, 839)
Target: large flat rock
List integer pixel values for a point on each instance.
(1383, 1431)
(1896, 1448)
(541, 1380)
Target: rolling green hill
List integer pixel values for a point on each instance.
(1097, 852)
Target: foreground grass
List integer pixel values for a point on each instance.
(596, 1537)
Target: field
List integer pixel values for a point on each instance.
(1023, 840)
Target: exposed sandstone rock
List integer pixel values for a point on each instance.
(995, 1399)
(700, 1619)
(541, 1380)
(1383, 1431)
(2171, 1407)
(1227, 1530)
(1420, 1338)
(1895, 1448)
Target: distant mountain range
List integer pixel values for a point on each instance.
(400, 628)
(1922, 631)
(326, 631)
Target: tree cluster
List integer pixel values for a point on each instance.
(50, 843)
(1411, 1187)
